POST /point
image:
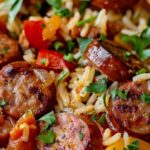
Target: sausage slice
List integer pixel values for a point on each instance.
(76, 133)
(132, 115)
(23, 89)
(9, 50)
(117, 5)
(109, 59)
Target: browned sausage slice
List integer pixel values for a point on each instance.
(109, 59)
(117, 5)
(23, 89)
(9, 50)
(75, 133)
(132, 114)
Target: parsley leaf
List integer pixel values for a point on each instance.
(122, 94)
(102, 37)
(83, 5)
(3, 102)
(63, 75)
(94, 118)
(145, 98)
(54, 3)
(49, 118)
(82, 22)
(134, 145)
(84, 43)
(140, 43)
(47, 137)
(70, 45)
(102, 119)
(143, 70)
(81, 135)
(98, 87)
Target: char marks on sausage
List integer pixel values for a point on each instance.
(132, 115)
(23, 90)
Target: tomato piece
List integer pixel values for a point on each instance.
(3, 28)
(33, 32)
(53, 60)
(23, 135)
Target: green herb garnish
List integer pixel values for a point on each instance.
(134, 145)
(57, 7)
(98, 87)
(48, 137)
(83, 5)
(69, 57)
(84, 43)
(118, 93)
(102, 119)
(4, 51)
(102, 37)
(63, 75)
(127, 55)
(49, 118)
(140, 43)
(81, 135)
(70, 45)
(82, 22)
(145, 98)
(43, 61)
(58, 45)
(3, 102)
(94, 118)
(143, 70)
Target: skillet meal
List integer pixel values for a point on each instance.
(75, 74)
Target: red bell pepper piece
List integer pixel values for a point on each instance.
(53, 60)
(33, 32)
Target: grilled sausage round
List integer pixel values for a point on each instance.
(132, 114)
(23, 88)
(75, 133)
(106, 56)
(119, 5)
(9, 51)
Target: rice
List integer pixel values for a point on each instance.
(108, 139)
(141, 77)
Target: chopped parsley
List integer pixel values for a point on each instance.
(2, 102)
(58, 45)
(102, 37)
(49, 118)
(81, 135)
(143, 70)
(84, 43)
(118, 93)
(97, 87)
(5, 50)
(47, 137)
(43, 61)
(82, 22)
(69, 57)
(140, 43)
(56, 5)
(94, 118)
(133, 146)
(145, 98)
(127, 55)
(63, 75)
(83, 5)
(70, 45)
(102, 119)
